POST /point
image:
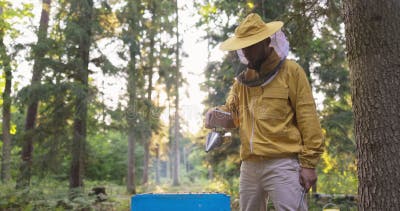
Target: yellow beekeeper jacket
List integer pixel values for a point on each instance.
(278, 119)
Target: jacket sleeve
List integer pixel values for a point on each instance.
(232, 104)
(303, 103)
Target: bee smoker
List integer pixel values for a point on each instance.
(216, 138)
(221, 121)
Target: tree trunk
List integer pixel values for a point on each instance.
(6, 137)
(210, 172)
(83, 10)
(130, 180)
(157, 165)
(149, 104)
(170, 139)
(184, 154)
(133, 22)
(176, 126)
(38, 66)
(146, 147)
(171, 163)
(373, 45)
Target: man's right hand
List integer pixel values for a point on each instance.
(218, 118)
(208, 119)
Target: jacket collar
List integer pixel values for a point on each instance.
(251, 77)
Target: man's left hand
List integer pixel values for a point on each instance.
(308, 177)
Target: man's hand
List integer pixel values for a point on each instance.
(218, 118)
(308, 177)
(208, 119)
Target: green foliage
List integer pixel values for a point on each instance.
(54, 195)
(9, 12)
(197, 160)
(107, 157)
(219, 79)
(339, 166)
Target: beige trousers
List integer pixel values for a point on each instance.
(275, 179)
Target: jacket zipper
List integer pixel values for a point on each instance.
(252, 133)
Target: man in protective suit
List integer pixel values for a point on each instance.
(271, 103)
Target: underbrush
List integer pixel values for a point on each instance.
(57, 196)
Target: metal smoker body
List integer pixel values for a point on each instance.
(218, 135)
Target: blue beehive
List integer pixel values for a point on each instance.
(180, 202)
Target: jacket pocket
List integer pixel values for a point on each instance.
(274, 104)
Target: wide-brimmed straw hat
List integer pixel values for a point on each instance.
(250, 31)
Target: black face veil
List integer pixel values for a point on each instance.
(280, 44)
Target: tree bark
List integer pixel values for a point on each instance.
(130, 181)
(6, 136)
(38, 66)
(170, 168)
(146, 146)
(149, 92)
(83, 10)
(184, 156)
(175, 176)
(373, 45)
(157, 164)
(133, 22)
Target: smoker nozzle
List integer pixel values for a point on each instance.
(215, 139)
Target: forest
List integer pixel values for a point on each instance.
(105, 99)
